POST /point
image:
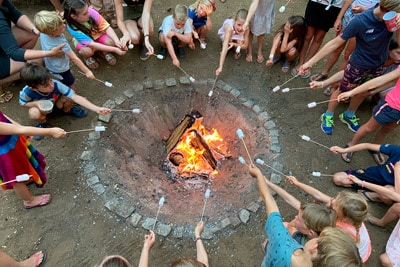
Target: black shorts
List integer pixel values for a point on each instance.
(67, 77)
(319, 18)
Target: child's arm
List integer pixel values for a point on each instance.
(252, 9)
(147, 245)
(355, 148)
(269, 201)
(113, 36)
(338, 23)
(286, 45)
(291, 200)
(16, 129)
(371, 84)
(337, 77)
(225, 47)
(146, 22)
(245, 43)
(315, 193)
(78, 62)
(89, 105)
(201, 251)
(275, 44)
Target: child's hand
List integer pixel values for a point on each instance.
(316, 85)
(338, 25)
(176, 63)
(254, 171)
(90, 75)
(149, 240)
(357, 9)
(287, 28)
(354, 179)
(218, 71)
(337, 150)
(124, 40)
(199, 228)
(269, 62)
(57, 132)
(103, 111)
(304, 68)
(120, 51)
(292, 180)
(195, 35)
(344, 96)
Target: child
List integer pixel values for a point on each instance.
(233, 35)
(18, 156)
(351, 210)
(40, 86)
(311, 219)
(91, 33)
(333, 247)
(261, 24)
(287, 43)
(52, 27)
(200, 20)
(134, 20)
(174, 34)
(366, 61)
(36, 259)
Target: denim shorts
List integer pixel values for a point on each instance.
(354, 77)
(384, 114)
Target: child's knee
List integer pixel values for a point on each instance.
(35, 113)
(340, 179)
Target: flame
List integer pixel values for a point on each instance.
(193, 159)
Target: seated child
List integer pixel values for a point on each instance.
(200, 20)
(40, 86)
(233, 35)
(287, 43)
(52, 27)
(91, 33)
(333, 247)
(174, 34)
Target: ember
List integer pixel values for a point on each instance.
(192, 150)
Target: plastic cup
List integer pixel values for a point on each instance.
(46, 106)
(390, 19)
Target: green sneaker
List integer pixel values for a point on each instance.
(327, 124)
(352, 123)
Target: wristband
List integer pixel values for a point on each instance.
(196, 239)
(362, 184)
(271, 55)
(146, 35)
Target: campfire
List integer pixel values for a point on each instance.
(192, 150)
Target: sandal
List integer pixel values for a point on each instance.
(6, 97)
(318, 77)
(111, 60)
(91, 63)
(295, 72)
(76, 112)
(44, 200)
(346, 157)
(377, 156)
(285, 67)
(249, 58)
(329, 90)
(237, 55)
(39, 257)
(260, 59)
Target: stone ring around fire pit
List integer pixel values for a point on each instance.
(133, 163)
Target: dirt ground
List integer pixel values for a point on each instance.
(75, 229)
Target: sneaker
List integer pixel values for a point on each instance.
(181, 52)
(39, 125)
(352, 123)
(143, 55)
(163, 52)
(327, 124)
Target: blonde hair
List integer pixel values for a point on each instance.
(114, 261)
(47, 22)
(187, 262)
(207, 3)
(352, 207)
(389, 5)
(336, 248)
(241, 14)
(180, 13)
(317, 216)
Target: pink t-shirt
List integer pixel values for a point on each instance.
(393, 97)
(393, 246)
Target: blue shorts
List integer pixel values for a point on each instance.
(67, 77)
(384, 114)
(371, 175)
(354, 77)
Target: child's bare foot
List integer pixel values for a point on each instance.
(237, 55)
(35, 260)
(260, 59)
(374, 220)
(37, 201)
(249, 58)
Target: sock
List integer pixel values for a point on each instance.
(349, 114)
(327, 113)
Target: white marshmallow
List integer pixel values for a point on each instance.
(210, 93)
(160, 56)
(305, 137)
(22, 177)
(135, 110)
(240, 133)
(285, 90)
(192, 79)
(203, 46)
(161, 202)
(238, 49)
(108, 84)
(241, 159)
(312, 104)
(207, 194)
(316, 174)
(276, 89)
(259, 161)
(100, 128)
(282, 9)
(131, 46)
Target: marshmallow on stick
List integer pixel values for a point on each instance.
(319, 174)
(160, 204)
(135, 110)
(108, 84)
(211, 91)
(261, 162)
(96, 129)
(187, 74)
(240, 134)
(206, 196)
(308, 139)
(19, 178)
(278, 87)
(314, 104)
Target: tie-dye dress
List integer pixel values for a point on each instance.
(18, 156)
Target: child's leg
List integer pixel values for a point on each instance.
(34, 260)
(307, 41)
(249, 56)
(29, 200)
(133, 30)
(392, 214)
(260, 43)
(64, 103)
(385, 261)
(36, 115)
(316, 44)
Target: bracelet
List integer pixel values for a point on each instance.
(271, 55)
(146, 35)
(196, 238)
(362, 184)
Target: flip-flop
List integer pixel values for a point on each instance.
(6, 97)
(318, 77)
(249, 58)
(237, 55)
(260, 59)
(364, 194)
(285, 67)
(378, 158)
(37, 258)
(91, 63)
(111, 60)
(346, 157)
(44, 200)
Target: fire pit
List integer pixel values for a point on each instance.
(139, 156)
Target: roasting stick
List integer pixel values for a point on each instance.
(135, 110)
(212, 88)
(308, 139)
(96, 129)
(19, 178)
(160, 204)
(108, 84)
(240, 134)
(319, 174)
(278, 87)
(187, 74)
(287, 89)
(314, 104)
(206, 196)
(261, 162)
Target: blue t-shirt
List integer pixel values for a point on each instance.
(372, 40)
(56, 64)
(197, 21)
(27, 95)
(281, 245)
(393, 152)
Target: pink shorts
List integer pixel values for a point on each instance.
(102, 40)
